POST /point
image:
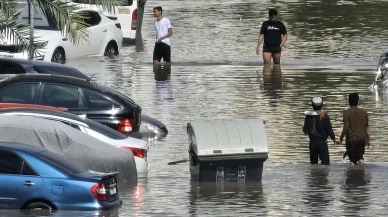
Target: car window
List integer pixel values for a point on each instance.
(27, 170)
(60, 96)
(92, 18)
(10, 163)
(97, 101)
(19, 93)
(10, 68)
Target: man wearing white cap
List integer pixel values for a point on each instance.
(318, 126)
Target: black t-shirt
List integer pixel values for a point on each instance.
(273, 32)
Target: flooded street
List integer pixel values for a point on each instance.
(332, 50)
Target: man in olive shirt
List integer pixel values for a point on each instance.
(356, 130)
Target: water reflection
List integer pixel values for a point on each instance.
(272, 82)
(319, 193)
(225, 196)
(356, 190)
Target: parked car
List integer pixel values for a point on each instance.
(126, 14)
(103, 37)
(76, 146)
(89, 99)
(35, 178)
(138, 147)
(12, 66)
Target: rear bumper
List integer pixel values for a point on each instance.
(141, 167)
(96, 205)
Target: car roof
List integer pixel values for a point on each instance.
(25, 63)
(21, 147)
(49, 77)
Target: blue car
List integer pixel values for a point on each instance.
(35, 178)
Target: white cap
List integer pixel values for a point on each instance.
(317, 101)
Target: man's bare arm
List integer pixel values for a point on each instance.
(283, 40)
(259, 41)
(170, 32)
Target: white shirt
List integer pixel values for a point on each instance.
(161, 28)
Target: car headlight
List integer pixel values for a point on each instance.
(41, 44)
(153, 128)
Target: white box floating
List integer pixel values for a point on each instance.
(227, 150)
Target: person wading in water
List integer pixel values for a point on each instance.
(318, 126)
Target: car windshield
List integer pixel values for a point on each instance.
(60, 162)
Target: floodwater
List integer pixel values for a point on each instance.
(333, 49)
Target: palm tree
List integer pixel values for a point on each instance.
(70, 24)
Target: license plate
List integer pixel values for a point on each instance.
(112, 191)
(124, 11)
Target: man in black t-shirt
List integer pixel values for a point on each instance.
(274, 33)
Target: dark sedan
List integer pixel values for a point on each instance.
(94, 101)
(12, 66)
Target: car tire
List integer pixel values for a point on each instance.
(111, 50)
(39, 205)
(58, 56)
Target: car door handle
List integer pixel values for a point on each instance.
(28, 183)
(64, 39)
(104, 30)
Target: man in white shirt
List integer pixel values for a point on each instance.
(163, 29)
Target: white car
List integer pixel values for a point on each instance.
(126, 14)
(138, 147)
(104, 37)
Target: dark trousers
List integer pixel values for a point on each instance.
(319, 150)
(355, 150)
(162, 50)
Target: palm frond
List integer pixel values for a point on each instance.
(11, 29)
(106, 5)
(7, 7)
(70, 24)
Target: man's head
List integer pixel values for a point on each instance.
(157, 11)
(317, 103)
(353, 99)
(272, 14)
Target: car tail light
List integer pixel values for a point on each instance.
(125, 126)
(118, 25)
(137, 152)
(98, 191)
(134, 20)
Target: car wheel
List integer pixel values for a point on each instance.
(59, 56)
(110, 50)
(39, 206)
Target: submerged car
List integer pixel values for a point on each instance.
(138, 147)
(103, 37)
(82, 97)
(35, 178)
(73, 145)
